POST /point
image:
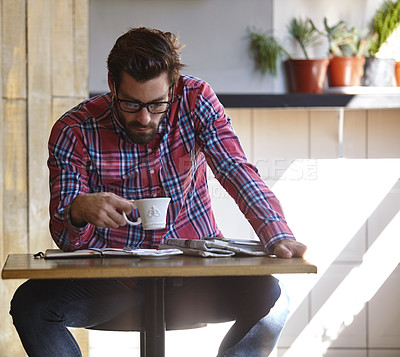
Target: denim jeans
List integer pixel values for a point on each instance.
(42, 310)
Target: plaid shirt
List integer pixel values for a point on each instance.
(89, 151)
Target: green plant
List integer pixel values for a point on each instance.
(305, 33)
(345, 41)
(267, 51)
(385, 21)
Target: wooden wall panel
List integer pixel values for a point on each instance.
(9, 342)
(355, 134)
(2, 253)
(62, 105)
(13, 49)
(63, 54)
(44, 71)
(323, 134)
(383, 133)
(81, 48)
(14, 195)
(280, 136)
(15, 177)
(39, 121)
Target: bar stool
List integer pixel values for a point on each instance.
(150, 320)
(123, 322)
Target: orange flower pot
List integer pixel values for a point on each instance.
(345, 71)
(397, 73)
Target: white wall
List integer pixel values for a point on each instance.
(213, 30)
(215, 34)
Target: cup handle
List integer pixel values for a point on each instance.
(137, 222)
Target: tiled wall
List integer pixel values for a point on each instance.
(344, 209)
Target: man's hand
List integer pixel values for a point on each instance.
(289, 248)
(103, 209)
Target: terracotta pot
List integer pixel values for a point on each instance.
(397, 73)
(306, 75)
(345, 71)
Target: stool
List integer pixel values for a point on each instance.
(149, 321)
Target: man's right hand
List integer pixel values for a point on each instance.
(103, 209)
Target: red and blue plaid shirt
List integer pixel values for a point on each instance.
(89, 151)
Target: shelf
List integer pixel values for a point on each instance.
(346, 97)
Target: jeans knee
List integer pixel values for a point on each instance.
(270, 291)
(26, 303)
(19, 306)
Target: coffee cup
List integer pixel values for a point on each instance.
(152, 213)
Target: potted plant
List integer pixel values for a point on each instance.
(380, 64)
(304, 75)
(347, 48)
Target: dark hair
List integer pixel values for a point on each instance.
(145, 54)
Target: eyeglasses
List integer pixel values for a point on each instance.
(130, 106)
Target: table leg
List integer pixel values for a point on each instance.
(153, 339)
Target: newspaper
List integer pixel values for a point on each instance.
(214, 247)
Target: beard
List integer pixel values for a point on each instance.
(142, 138)
(135, 132)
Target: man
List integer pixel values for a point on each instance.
(151, 136)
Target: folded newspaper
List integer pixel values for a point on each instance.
(214, 247)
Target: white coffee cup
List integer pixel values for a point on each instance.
(152, 212)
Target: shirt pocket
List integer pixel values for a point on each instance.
(122, 186)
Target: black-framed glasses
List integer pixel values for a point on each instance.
(130, 106)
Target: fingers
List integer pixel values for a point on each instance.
(102, 209)
(108, 219)
(282, 252)
(289, 248)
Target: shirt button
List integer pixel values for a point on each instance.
(149, 150)
(154, 195)
(152, 172)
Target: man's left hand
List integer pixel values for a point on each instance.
(289, 248)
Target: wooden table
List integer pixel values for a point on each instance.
(21, 266)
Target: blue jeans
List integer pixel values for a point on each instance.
(42, 310)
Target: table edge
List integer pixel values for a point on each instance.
(162, 271)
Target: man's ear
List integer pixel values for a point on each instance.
(111, 82)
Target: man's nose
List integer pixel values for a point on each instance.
(143, 116)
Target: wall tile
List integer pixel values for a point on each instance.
(355, 249)
(384, 314)
(346, 353)
(354, 334)
(295, 324)
(384, 213)
(334, 353)
(384, 353)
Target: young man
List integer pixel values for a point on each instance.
(151, 136)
